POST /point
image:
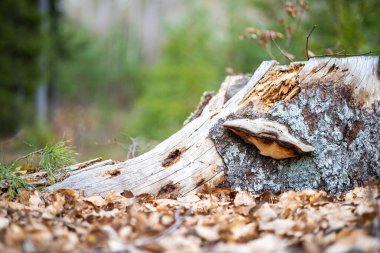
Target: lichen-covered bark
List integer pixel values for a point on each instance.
(346, 138)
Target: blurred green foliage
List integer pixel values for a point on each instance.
(98, 69)
(194, 60)
(347, 26)
(19, 51)
(107, 70)
(103, 70)
(191, 64)
(196, 54)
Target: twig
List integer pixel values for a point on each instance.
(37, 152)
(345, 55)
(307, 41)
(279, 48)
(177, 223)
(132, 148)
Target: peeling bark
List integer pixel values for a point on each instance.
(332, 104)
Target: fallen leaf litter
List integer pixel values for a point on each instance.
(221, 221)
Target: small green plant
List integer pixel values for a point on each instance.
(49, 159)
(12, 180)
(54, 157)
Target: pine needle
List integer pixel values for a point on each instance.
(56, 156)
(12, 180)
(51, 158)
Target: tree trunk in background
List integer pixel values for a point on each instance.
(150, 31)
(46, 95)
(42, 89)
(56, 48)
(329, 103)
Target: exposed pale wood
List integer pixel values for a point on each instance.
(40, 178)
(199, 162)
(333, 104)
(361, 73)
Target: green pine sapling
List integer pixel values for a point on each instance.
(54, 157)
(50, 159)
(12, 180)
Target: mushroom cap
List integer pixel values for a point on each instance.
(271, 138)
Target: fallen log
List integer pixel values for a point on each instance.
(40, 178)
(311, 124)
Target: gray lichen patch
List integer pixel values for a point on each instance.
(346, 140)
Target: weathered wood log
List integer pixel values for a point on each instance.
(40, 178)
(315, 124)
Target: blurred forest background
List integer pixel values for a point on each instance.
(107, 74)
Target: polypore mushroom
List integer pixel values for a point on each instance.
(271, 138)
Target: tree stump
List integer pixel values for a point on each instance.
(311, 125)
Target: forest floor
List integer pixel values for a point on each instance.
(219, 220)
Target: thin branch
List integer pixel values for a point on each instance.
(307, 41)
(345, 55)
(37, 152)
(279, 48)
(132, 148)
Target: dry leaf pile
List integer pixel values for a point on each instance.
(221, 221)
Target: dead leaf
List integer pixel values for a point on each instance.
(116, 200)
(209, 234)
(265, 213)
(244, 198)
(96, 200)
(4, 222)
(356, 241)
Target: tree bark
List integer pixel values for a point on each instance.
(330, 106)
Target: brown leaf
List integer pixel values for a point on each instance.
(69, 194)
(278, 226)
(4, 222)
(244, 198)
(116, 200)
(14, 235)
(265, 213)
(356, 241)
(96, 200)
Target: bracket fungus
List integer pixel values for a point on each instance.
(271, 138)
